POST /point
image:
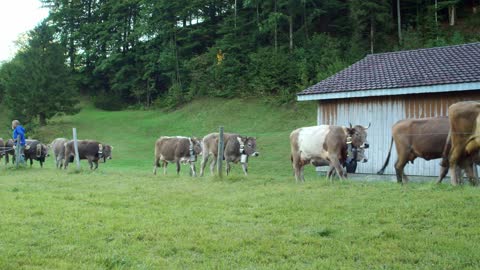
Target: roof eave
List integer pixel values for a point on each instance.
(441, 88)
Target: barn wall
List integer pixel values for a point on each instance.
(383, 112)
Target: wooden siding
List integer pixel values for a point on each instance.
(383, 112)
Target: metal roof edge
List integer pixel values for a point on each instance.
(442, 88)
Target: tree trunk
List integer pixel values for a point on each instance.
(305, 25)
(175, 49)
(399, 22)
(372, 32)
(235, 18)
(290, 23)
(42, 117)
(275, 30)
(436, 11)
(258, 16)
(451, 14)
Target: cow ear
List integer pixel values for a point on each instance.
(111, 147)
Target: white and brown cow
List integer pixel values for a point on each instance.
(176, 150)
(324, 144)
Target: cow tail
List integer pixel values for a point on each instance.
(382, 170)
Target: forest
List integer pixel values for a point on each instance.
(161, 54)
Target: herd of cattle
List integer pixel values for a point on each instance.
(454, 139)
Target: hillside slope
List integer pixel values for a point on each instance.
(133, 133)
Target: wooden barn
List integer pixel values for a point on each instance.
(386, 87)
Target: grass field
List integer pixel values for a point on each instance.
(123, 217)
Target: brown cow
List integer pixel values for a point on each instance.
(87, 149)
(317, 144)
(424, 138)
(464, 138)
(237, 148)
(35, 150)
(9, 151)
(176, 150)
(2, 148)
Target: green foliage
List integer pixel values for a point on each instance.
(37, 83)
(140, 50)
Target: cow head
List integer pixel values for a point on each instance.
(248, 146)
(107, 152)
(197, 145)
(357, 136)
(359, 155)
(45, 149)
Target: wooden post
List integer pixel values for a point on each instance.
(75, 146)
(220, 153)
(17, 152)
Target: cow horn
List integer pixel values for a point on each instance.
(369, 124)
(350, 124)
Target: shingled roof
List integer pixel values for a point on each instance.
(405, 69)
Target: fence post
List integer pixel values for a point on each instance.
(75, 146)
(17, 152)
(220, 153)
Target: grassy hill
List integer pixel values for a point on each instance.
(123, 217)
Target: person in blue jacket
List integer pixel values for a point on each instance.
(18, 130)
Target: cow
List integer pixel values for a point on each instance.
(236, 148)
(58, 149)
(35, 150)
(354, 155)
(317, 144)
(416, 138)
(464, 118)
(2, 148)
(90, 150)
(9, 151)
(176, 150)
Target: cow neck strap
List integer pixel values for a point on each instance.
(242, 145)
(348, 138)
(100, 150)
(190, 148)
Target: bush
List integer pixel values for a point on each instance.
(108, 102)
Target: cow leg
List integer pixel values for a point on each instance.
(338, 167)
(156, 164)
(90, 162)
(164, 165)
(178, 167)
(455, 156)
(31, 162)
(399, 165)
(330, 173)
(471, 175)
(41, 164)
(203, 164)
(212, 165)
(96, 164)
(443, 173)
(245, 168)
(192, 169)
(227, 167)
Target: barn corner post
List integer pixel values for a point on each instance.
(220, 153)
(75, 146)
(17, 152)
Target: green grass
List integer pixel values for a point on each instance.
(123, 217)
